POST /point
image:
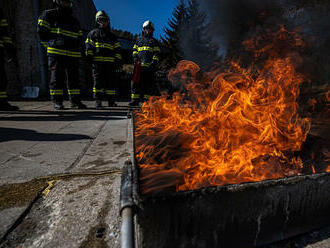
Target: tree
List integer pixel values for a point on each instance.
(195, 41)
(124, 34)
(171, 40)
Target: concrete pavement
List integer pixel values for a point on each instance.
(60, 176)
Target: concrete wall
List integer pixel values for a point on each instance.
(22, 20)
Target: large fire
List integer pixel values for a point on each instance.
(228, 127)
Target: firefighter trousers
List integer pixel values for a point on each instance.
(105, 81)
(146, 88)
(64, 70)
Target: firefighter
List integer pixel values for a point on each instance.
(61, 35)
(6, 43)
(103, 51)
(145, 56)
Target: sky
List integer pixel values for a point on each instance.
(129, 15)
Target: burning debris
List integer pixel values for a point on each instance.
(240, 125)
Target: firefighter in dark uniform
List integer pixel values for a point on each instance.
(146, 52)
(103, 51)
(6, 43)
(61, 35)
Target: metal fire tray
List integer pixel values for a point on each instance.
(242, 215)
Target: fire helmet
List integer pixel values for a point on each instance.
(101, 15)
(58, 2)
(148, 25)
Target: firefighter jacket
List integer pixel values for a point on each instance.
(146, 50)
(103, 46)
(5, 40)
(60, 33)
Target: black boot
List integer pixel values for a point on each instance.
(58, 106)
(78, 105)
(111, 103)
(7, 107)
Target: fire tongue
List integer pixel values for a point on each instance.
(236, 126)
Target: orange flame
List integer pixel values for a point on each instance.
(327, 97)
(312, 102)
(231, 127)
(313, 169)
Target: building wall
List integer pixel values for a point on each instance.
(22, 19)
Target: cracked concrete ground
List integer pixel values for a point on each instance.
(60, 176)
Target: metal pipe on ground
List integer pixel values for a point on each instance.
(127, 207)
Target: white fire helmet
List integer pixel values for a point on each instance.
(101, 15)
(148, 24)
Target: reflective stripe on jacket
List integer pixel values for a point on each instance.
(146, 50)
(5, 39)
(103, 46)
(60, 33)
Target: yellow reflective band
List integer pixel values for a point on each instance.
(7, 40)
(104, 45)
(103, 59)
(155, 58)
(156, 49)
(89, 52)
(3, 94)
(56, 92)
(4, 23)
(43, 23)
(117, 45)
(65, 32)
(51, 50)
(80, 33)
(135, 52)
(44, 43)
(98, 91)
(135, 96)
(146, 64)
(118, 56)
(145, 48)
(111, 92)
(1, 43)
(74, 92)
(90, 42)
(135, 47)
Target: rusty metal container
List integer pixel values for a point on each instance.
(242, 215)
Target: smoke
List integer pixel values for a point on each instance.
(218, 27)
(231, 20)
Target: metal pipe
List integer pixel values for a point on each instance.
(126, 207)
(41, 60)
(127, 228)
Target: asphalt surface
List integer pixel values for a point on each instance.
(60, 178)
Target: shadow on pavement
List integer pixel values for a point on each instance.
(311, 239)
(8, 134)
(63, 115)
